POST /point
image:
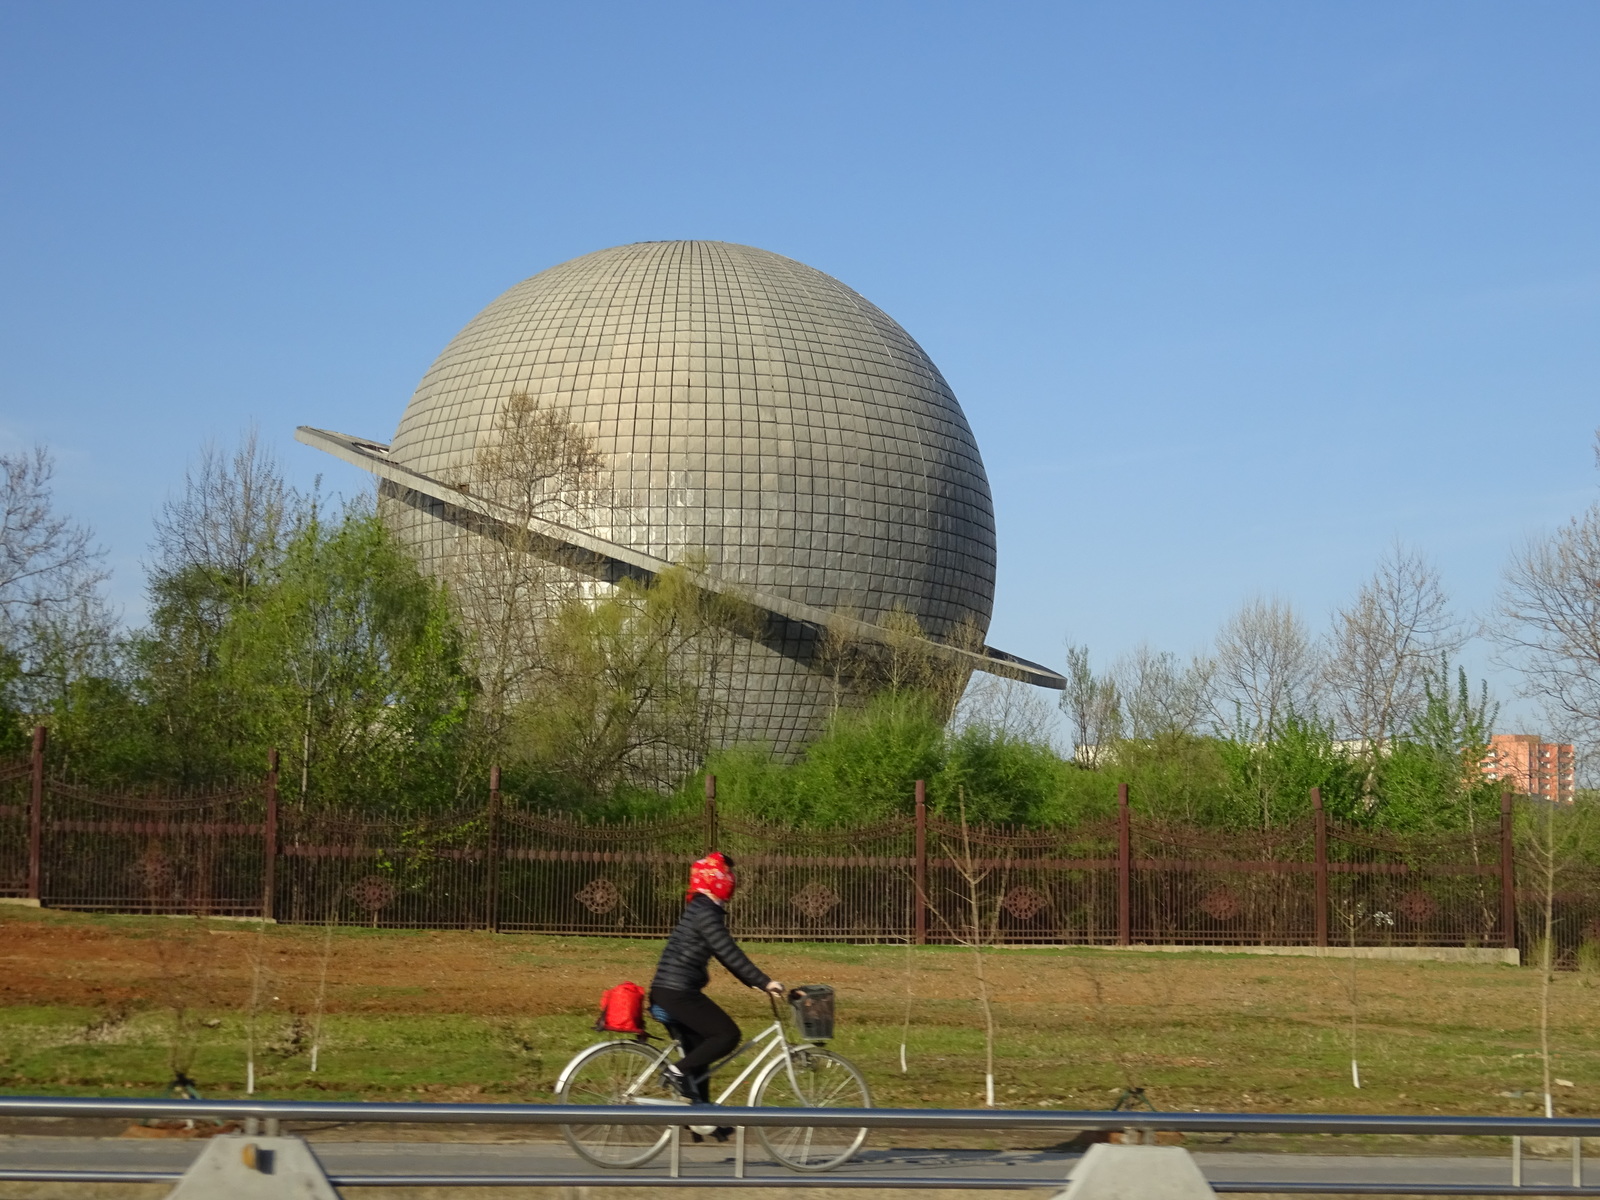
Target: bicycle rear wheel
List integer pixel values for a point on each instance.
(616, 1073)
(821, 1079)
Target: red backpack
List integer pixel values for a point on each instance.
(621, 1009)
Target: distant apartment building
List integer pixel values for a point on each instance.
(1532, 767)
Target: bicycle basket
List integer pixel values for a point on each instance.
(813, 1011)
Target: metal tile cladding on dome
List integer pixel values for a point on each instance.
(757, 418)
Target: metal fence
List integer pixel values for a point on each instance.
(16, 784)
(920, 878)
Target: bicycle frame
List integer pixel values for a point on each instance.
(772, 1040)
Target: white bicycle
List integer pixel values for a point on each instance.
(784, 1073)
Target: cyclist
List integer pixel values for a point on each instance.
(676, 993)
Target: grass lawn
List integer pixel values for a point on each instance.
(96, 1005)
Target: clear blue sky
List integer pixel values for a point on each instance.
(1234, 294)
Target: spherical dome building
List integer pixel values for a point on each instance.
(754, 415)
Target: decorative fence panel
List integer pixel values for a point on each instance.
(918, 878)
(1205, 887)
(1439, 890)
(154, 854)
(852, 885)
(423, 872)
(558, 875)
(1051, 886)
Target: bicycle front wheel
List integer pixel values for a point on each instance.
(820, 1079)
(616, 1073)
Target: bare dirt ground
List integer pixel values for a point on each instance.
(52, 958)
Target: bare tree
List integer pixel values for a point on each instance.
(1550, 610)
(1267, 668)
(46, 560)
(1161, 694)
(1093, 707)
(259, 983)
(1356, 917)
(54, 623)
(1554, 840)
(1005, 708)
(186, 962)
(221, 536)
(1383, 647)
(977, 925)
(537, 466)
(320, 1006)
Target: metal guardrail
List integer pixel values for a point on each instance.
(273, 1112)
(408, 1112)
(919, 1183)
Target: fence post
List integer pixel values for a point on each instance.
(36, 820)
(711, 813)
(920, 868)
(269, 841)
(1508, 883)
(491, 919)
(1124, 870)
(1319, 816)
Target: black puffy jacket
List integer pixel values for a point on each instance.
(700, 933)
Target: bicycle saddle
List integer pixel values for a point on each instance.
(660, 1014)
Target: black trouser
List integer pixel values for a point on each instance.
(706, 1032)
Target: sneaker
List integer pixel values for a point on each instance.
(679, 1083)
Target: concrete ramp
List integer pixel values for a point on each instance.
(255, 1168)
(1111, 1172)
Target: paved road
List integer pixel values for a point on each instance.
(1028, 1168)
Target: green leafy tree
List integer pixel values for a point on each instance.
(867, 766)
(1016, 781)
(181, 713)
(1433, 778)
(631, 689)
(1271, 780)
(863, 769)
(13, 717)
(350, 661)
(274, 626)
(1177, 776)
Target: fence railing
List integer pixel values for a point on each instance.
(918, 878)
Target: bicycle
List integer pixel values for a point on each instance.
(783, 1074)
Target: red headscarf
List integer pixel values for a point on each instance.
(712, 876)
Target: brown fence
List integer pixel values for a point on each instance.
(16, 786)
(919, 878)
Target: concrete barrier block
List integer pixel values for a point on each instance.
(1109, 1172)
(234, 1167)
